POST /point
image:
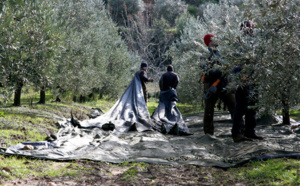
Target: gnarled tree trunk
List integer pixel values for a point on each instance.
(42, 95)
(285, 111)
(17, 96)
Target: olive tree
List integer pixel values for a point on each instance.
(27, 44)
(94, 57)
(270, 55)
(121, 9)
(73, 45)
(278, 53)
(189, 53)
(169, 10)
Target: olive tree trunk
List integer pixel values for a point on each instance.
(42, 95)
(18, 91)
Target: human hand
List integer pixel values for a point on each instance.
(212, 90)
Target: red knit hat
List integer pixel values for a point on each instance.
(207, 38)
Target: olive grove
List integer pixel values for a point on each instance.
(150, 33)
(67, 44)
(169, 10)
(94, 57)
(94, 46)
(270, 55)
(121, 10)
(28, 45)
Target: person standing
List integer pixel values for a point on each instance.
(144, 79)
(214, 86)
(168, 80)
(166, 115)
(246, 99)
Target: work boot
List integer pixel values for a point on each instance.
(240, 138)
(254, 136)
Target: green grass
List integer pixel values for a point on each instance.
(186, 109)
(15, 167)
(33, 123)
(103, 104)
(295, 114)
(151, 106)
(17, 126)
(133, 168)
(271, 172)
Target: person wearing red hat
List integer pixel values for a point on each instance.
(214, 86)
(208, 41)
(212, 45)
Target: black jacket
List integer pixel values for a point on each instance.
(168, 81)
(213, 74)
(144, 79)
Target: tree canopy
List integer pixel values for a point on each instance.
(270, 54)
(86, 46)
(66, 44)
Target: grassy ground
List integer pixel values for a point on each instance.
(295, 114)
(33, 122)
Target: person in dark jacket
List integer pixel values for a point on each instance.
(166, 115)
(168, 80)
(144, 79)
(246, 99)
(214, 84)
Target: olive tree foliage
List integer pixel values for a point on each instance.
(28, 45)
(269, 57)
(277, 53)
(189, 53)
(94, 57)
(121, 9)
(169, 10)
(150, 42)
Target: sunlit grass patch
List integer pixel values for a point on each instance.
(271, 172)
(295, 114)
(103, 104)
(188, 108)
(13, 137)
(20, 167)
(141, 165)
(182, 107)
(133, 169)
(21, 125)
(32, 96)
(151, 106)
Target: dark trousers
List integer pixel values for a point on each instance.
(243, 100)
(227, 98)
(145, 93)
